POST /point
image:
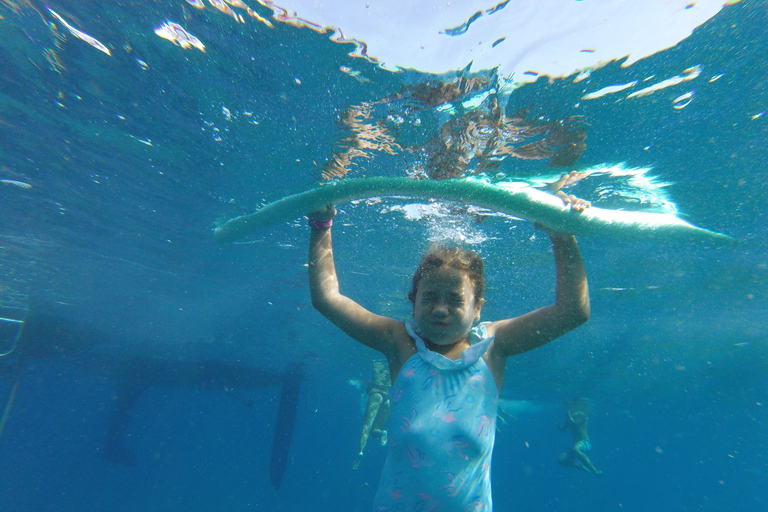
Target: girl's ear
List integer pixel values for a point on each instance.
(478, 307)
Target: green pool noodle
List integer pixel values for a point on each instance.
(519, 200)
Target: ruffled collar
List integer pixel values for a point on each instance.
(478, 340)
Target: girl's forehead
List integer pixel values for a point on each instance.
(444, 277)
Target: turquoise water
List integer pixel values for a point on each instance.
(117, 167)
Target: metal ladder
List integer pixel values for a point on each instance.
(11, 326)
(12, 322)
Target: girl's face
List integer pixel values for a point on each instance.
(445, 306)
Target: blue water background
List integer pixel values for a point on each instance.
(116, 234)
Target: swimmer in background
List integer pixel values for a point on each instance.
(376, 409)
(576, 423)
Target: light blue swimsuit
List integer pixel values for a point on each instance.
(441, 431)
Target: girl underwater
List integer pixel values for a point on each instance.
(446, 372)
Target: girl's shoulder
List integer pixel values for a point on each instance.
(400, 337)
(403, 348)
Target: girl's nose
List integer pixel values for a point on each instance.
(440, 309)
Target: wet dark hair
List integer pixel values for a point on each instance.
(439, 256)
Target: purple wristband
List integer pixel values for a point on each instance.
(320, 224)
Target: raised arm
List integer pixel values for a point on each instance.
(570, 310)
(375, 331)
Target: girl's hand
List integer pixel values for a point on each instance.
(576, 204)
(323, 214)
(565, 180)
